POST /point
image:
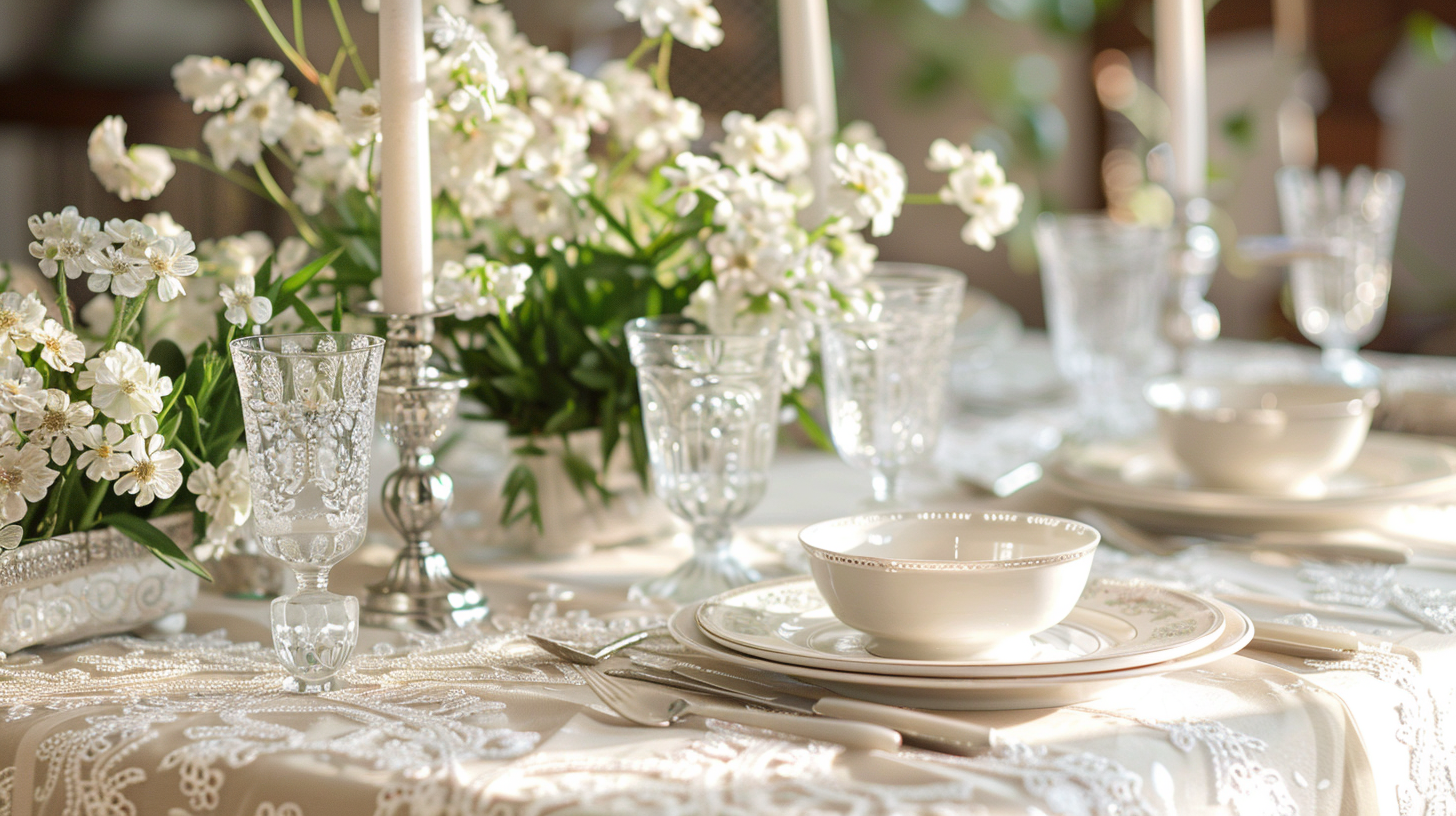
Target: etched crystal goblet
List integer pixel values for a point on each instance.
(1340, 298)
(885, 370)
(710, 405)
(308, 414)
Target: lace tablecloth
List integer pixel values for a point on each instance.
(481, 722)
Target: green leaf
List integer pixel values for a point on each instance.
(310, 320)
(337, 322)
(560, 420)
(810, 424)
(300, 279)
(583, 476)
(521, 482)
(168, 357)
(144, 533)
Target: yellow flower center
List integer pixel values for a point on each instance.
(128, 387)
(53, 422)
(8, 320)
(103, 452)
(54, 344)
(368, 110)
(144, 471)
(10, 478)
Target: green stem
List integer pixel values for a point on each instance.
(126, 317)
(298, 28)
(348, 40)
(192, 156)
(923, 198)
(63, 299)
(664, 59)
(647, 44)
(299, 61)
(93, 505)
(300, 221)
(283, 157)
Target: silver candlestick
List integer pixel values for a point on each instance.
(1188, 318)
(416, 402)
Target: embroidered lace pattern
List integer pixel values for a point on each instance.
(425, 712)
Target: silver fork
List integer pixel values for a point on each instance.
(645, 705)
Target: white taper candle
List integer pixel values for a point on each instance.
(808, 79)
(406, 231)
(1179, 50)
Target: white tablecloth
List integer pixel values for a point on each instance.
(481, 722)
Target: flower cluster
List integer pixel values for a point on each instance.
(124, 258)
(226, 498)
(567, 204)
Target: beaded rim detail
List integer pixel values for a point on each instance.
(871, 562)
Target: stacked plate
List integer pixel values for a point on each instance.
(1139, 481)
(1118, 632)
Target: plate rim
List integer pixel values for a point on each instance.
(962, 669)
(1236, 636)
(1209, 502)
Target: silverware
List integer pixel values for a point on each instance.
(642, 704)
(571, 654)
(1302, 641)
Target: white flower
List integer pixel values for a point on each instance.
(261, 119)
(645, 119)
(776, 145)
(25, 476)
(481, 287)
(358, 114)
(56, 423)
(470, 61)
(312, 130)
(209, 83)
(259, 77)
(10, 536)
(870, 187)
(20, 385)
(123, 384)
(694, 22)
(223, 492)
(65, 238)
(114, 270)
(60, 349)
(237, 256)
(168, 260)
(20, 318)
(102, 458)
(141, 172)
(243, 305)
(336, 168)
(133, 236)
(163, 224)
(862, 132)
(977, 185)
(156, 471)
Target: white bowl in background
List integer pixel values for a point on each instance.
(950, 585)
(1272, 438)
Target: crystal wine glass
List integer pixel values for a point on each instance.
(308, 413)
(885, 370)
(1339, 300)
(710, 405)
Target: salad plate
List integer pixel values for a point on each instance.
(960, 693)
(1115, 625)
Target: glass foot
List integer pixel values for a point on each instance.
(702, 576)
(314, 632)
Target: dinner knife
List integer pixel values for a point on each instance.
(932, 731)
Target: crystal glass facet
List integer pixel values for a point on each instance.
(308, 413)
(710, 407)
(1339, 300)
(885, 370)
(1104, 284)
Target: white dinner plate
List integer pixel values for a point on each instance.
(966, 694)
(1116, 625)
(1138, 480)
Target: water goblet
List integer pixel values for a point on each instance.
(710, 405)
(885, 370)
(308, 414)
(1104, 284)
(1340, 298)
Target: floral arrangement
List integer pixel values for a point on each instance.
(565, 205)
(103, 421)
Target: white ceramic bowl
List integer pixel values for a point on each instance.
(1282, 439)
(950, 586)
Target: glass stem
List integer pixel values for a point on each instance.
(312, 579)
(885, 482)
(711, 539)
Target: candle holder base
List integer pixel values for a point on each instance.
(416, 402)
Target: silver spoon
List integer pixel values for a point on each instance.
(571, 654)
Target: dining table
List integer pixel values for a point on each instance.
(190, 718)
